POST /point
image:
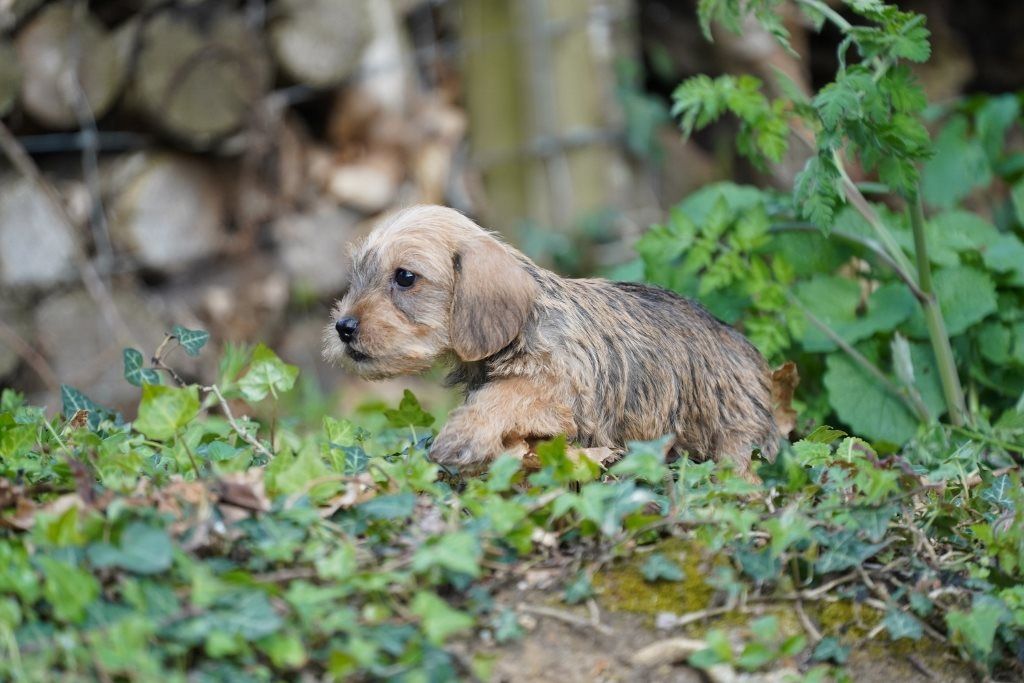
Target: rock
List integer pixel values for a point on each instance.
(17, 322)
(167, 210)
(200, 85)
(36, 248)
(319, 42)
(49, 45)
(368, 185)
(73, 336)
(314, 247)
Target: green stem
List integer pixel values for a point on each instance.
(913, 403)
(828, 13)
(951, 388)
(866, 242)
(864, 208)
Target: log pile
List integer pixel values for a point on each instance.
(208, 162)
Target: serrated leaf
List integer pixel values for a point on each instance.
(165, 410)
(135, 373)
(958, 166)
(267, 375)
(966, 296)
(191, 340)
(864, 404)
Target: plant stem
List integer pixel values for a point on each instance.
(913, 403)
(951, 388)
(828, 13)
(866, 242)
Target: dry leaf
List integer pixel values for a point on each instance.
(785, 379)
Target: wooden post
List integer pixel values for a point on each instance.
(540, 94)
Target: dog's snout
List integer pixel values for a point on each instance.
(346, 328)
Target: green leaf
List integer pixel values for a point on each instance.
(165, 410)
(959, 165)
(304, 472)
(830, 649)
(69, 590)
(900, 624)
(1005, 254)
(135, 373)
(502, 472)
(267, 375)
(861, 402)
(977, 629)
(397, 506)
(966, 296)
(458, 552)
(191, 340)
(73, 400)
(579, 589)
(660, 568)
(438, 620)
(645, 461)
(409, 413)
(143, 549)
(285, 650)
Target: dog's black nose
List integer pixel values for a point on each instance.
(346, 328)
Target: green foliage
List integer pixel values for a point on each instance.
(832, 285)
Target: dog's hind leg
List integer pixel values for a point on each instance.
(502, 415)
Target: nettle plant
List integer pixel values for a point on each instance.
(900, 298)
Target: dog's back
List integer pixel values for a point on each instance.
(643, 362)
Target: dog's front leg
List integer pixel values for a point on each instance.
(500, 417)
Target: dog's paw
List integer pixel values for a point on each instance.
(450, 450)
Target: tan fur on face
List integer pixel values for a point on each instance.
(539, 355)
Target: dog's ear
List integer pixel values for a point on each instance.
(492, 298)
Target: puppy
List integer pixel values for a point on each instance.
(540, 355)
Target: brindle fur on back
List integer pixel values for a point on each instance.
(602, 362)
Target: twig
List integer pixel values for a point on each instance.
(916, 662)
(805, 621)
(28, 354)
(563, 616)
(249, 439)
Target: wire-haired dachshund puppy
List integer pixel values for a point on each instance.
(540, 355)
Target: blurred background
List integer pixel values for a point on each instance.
(207, 162)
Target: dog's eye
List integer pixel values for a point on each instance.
(404, 278)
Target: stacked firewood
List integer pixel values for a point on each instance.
(208, 162)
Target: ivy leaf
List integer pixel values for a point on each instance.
(267, 375)
(977, 629)
(579, 589)
(135, 373)
(73, 400)
(899, 624)
(409, 413)
(660, 568)
(68, 589)
(458, 552)
(830, 649)
(396, 506)
(644, 461)
(165, 410)
(191, 340)
(143, 549)
(438, 620)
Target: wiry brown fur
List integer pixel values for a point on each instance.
(539, 355)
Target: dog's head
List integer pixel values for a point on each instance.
(425, 283)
